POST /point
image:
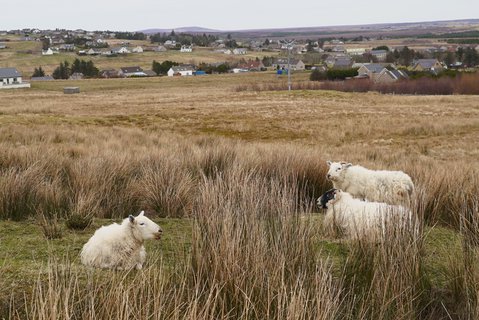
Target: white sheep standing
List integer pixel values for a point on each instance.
(392, 187)
(120, 246)
(357, 218)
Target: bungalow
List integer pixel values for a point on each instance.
(370, 70)
(186, 48)
(120, 50)
(183, 70)
(239, 51)
(282, 63)
(131, 72)
(11, 78)
(137, 49)
(431, 65)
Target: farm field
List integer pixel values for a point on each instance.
(232, 177)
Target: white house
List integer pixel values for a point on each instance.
(239, 51)
(48, 52)
(355, 51)
(170, 43)
(120, 50)
(137, 49)
(93, 52)
(11, 78)
(186, 48)
(181, 71)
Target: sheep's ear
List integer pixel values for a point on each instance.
(131, 218)
(142, 213)
(346, 165)
(329, 163)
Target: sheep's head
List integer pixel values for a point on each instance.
(329, 198)
(144, 227)
(336, 170)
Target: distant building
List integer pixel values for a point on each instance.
(239, 51)
(131, 72)
(11, 78)
(186, 48)
(48, 52)
(342, 63)
(137, 49)
(183, 70)
(252, 65)
(370, 70)
(282, 63)
(355, 51)
(379, 54)
(120, 50)
(160, 49)
(388, 76)
(431, 65)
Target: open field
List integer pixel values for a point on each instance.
(233, 178)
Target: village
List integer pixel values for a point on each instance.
(376, 59)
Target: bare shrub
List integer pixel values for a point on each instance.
(50, 225)
(166, 187)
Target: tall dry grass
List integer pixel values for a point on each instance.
(104, 181)
(255, 255)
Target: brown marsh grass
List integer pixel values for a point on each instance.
(247, 167)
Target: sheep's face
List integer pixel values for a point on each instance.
(146, 228)
(329, 198)
(336, 170)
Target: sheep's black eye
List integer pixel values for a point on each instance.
(338, 169)
(142, 224)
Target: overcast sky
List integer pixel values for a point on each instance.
(223, 14)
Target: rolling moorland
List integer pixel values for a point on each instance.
(232, 177)
(231, 170)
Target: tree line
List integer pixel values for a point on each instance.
(65, 69)
(184, 38)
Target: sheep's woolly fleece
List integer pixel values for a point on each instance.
(392, 187)
(357, 218)
(120, 246)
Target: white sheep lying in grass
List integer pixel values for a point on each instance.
(357, 218)
(392, 187)
(120, 246)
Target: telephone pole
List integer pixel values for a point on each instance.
(289, 46)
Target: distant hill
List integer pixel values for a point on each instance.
(371, 30)
(181, 30)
